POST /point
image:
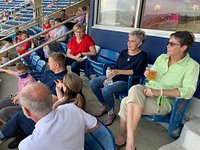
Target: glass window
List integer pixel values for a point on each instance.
(117, 12)
(172, 15)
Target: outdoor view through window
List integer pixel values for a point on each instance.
(169, 15)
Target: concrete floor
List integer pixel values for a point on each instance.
(150, 135)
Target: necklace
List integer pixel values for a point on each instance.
(128, 59)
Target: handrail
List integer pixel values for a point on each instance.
(43, 32)
(35, 49)
(25, 24)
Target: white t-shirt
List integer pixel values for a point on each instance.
(62, 129)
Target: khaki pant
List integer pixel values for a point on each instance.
(136, 96)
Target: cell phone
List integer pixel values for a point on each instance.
(85, 57)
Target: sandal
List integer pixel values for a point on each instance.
(120, 146)
(109, 119)
(101, 112)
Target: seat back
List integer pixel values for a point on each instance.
(34, 61)
(105, 58)
(30, 57)
(100, 139)
(40, 67)
(62, 47)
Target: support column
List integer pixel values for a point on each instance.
(37, 10)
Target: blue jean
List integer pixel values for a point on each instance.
(75, 65)
(105, 93)
(19, 122)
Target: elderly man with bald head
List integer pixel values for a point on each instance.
(60, 129)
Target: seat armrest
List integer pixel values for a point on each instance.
(132, 77)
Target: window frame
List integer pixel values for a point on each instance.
(150, 32)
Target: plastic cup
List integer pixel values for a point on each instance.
(151, 75)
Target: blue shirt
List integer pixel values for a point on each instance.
(49, 77)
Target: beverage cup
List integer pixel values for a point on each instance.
(151, 75)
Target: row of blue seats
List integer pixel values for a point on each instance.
(35, 64)
(10, 22)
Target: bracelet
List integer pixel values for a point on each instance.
(161, 92)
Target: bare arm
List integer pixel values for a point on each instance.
(124, 72)
(70, 55)
(165, 92)
(94, 128)
(115, 72)
(91, 52)
(8, 71)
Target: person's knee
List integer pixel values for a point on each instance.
(94, 83)
(6, 101)
(106, 91)
(136, 89)
(4, 115)
(74, 66)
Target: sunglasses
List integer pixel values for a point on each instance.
(172, 44)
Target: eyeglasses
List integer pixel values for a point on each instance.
(79, 32)
(172, 44)
(131, 41)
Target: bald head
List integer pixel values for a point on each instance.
(36, 97)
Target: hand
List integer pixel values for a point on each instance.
(105, 82)
(14, 100)
(111, 73)
(151, 92)
(146, 73)
(58, 84)
(1, 70)
(78, 57)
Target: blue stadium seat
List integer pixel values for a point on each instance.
(39, 69)
(100, 139)
(105, 58)
(30, 57)
(62, 47)
(34, 62)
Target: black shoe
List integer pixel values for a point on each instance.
(15, 142)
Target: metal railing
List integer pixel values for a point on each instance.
(26, 24)
(43, 32)
(35, 49)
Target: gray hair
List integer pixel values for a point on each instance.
(139, 34)
(37, 98)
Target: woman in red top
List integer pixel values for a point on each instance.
(79, 46)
